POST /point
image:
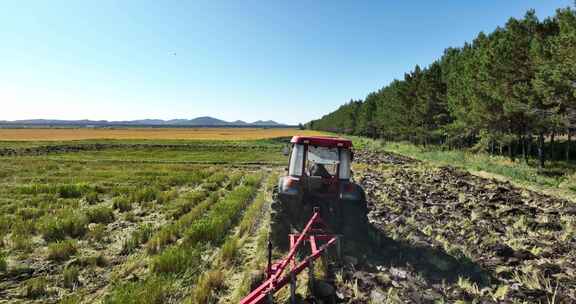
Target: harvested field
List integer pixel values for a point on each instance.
(187, 222)
(129, 230)
(221, 153)
(53, 134)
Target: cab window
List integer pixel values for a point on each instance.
(322, 161)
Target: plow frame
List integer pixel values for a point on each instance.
(313, 232)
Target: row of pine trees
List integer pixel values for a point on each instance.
(511, 92)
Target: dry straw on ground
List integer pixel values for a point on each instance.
(151, 133)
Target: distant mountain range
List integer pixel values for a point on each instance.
(198, 121)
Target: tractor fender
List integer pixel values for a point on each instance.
(351, 192)
(289, 186)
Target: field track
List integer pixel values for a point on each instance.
(52, 134)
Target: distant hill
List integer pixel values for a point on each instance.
(265, 123)
(205, 121)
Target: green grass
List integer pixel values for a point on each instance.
(517, 171)
(35, 288)
(217, 155)
(170, 233)
(138, 237)
(122, 203)
(208, 286)
(153, 290)
(21, 242)
(220, 217)
(260, 143)
(62, 190)
(100, 214)
(68, 223)
(93, 261)
(176, 260)
(230, 250)
(97, 232)
(67, 205)
(62, 250)
(3, 263)
(186, 203)
(70, 277)
(146, 194)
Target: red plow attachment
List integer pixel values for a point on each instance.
(314, 231)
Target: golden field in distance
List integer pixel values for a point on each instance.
(57, 134)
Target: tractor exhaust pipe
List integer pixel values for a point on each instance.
(269, 267)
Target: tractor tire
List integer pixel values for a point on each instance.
(279, 225)
(355, 221)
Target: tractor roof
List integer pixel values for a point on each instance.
(322, 141)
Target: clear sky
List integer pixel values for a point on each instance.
(290, 61)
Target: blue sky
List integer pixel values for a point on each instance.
(290, 61)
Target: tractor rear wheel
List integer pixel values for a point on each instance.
(279, 225)
(355, 221)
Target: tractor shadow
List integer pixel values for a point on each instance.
(433, 264)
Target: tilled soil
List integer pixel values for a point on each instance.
(445, 234)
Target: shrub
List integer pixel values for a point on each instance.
(55, 228)
(35, 288)
(100, 215)
(62, 250)
(71, 275)
(176, 260)
(153, 290)
(122, 203)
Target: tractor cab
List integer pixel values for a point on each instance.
(318, 177)
(319, 166)
(320, 157)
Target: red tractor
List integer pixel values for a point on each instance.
(318, 178)
(314, 204)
